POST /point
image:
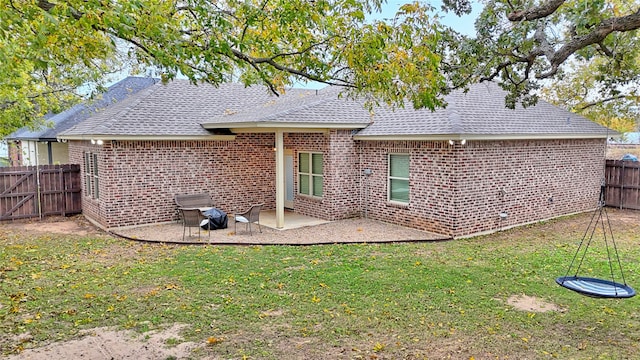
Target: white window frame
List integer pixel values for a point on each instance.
(91, 178)
(390, 178)
(310, 174)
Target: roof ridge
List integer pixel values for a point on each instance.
(324, 99)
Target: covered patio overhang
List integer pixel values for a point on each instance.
(279, 129)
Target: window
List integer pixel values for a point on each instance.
(91, 175)
(310, 174)
(398, 178)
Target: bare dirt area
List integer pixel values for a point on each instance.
(531, 304)
(76, 225)
(105, 343)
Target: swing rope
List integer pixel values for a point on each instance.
(592, 286)
(615, 248)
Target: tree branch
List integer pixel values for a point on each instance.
(599, 33)
(536, 12)
(254, 62)
(602, 101)
(5, 105)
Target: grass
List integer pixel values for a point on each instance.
(411, 300)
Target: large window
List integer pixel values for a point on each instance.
(91, 175)
(310, 174)
(399, 178)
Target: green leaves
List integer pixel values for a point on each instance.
(51, 49)
(545, 38)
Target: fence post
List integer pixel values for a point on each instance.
(622, 181)
(38, 192)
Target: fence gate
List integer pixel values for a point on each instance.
(36, 191)
(622, 180)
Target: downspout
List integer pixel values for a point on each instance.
(50, 152)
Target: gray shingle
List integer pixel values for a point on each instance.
(181, 108)
(80, 112)
(177, 109)
(300, 106)
(481, 111)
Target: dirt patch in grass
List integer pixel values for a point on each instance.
(77, 225)
(105, 343)
(531, 304)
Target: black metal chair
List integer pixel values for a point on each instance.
(193, 218)
(252, 215)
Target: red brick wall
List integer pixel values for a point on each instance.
(461, 189)
(91, 208)
(529, 180)
(431, 184)
(343, 176)
(454, 190)
(139, 179)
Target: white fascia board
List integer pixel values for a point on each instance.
(480, 137)
(146, 137)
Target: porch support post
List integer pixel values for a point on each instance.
(280, 188)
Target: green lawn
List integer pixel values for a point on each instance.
(386, 301)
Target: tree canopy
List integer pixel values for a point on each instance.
(528, 44)
(50, 48)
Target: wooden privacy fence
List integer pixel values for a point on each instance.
(36, 191)
(622, 184)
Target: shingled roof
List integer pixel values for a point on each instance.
(182, 110)
(481, 114)
(300, 109)
(80, 112)
(177, 109)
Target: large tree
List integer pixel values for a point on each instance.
(530, 43)
(49, 48)
(586, 89)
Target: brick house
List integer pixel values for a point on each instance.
(473, 167)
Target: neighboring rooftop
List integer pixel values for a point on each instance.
(80, 112)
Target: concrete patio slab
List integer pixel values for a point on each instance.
(299, 230)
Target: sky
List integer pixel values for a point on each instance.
(462, 24)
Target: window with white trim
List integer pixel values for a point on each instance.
(91, 183)
(310, 178)
(398, 178)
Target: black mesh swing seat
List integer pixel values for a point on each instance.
(596, 288)
(593, 287)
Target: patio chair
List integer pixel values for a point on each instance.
(252, 215)
(194, 218)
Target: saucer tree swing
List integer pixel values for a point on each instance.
(594, 287)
